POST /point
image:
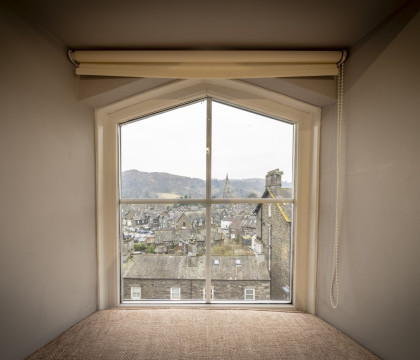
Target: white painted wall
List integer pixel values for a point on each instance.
(47, 191)
(379, 276)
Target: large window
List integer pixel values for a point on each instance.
(204, 187)
(183, 157)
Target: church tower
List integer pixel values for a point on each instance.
(226, 191)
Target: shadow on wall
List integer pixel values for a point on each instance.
(367, 50)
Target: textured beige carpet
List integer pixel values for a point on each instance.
(201, 334)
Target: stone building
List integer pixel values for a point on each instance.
(273, 240)
(172, 277)
(181, 221)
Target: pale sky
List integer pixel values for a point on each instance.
(244, 144)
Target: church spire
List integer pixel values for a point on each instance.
(226, 191)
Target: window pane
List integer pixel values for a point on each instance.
(164, 155)
(163, 246)
(163, 251)
(175, 293)
(249, 294)
(246, 146)
(251, 252)
(135, 293)
(211, 295)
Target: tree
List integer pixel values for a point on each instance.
(140, 247)
(150, 249)
(252, 195)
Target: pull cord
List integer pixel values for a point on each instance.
(334, 295)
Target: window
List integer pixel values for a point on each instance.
(296, 208)
(175, 293)
(249, 294)
(193, 186)
(212, 294)
(135, 293)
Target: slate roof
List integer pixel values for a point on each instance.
(164, 236)
(185, 235)
(237, 223)
(176, 267)
(178, 216)
(250, 222)
(200, 237)
(167, 236)
(139, 217)
(130, 215)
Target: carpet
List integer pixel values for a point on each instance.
(201, 334)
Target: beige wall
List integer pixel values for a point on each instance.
(379, 274)
(47, 192)
(47, 232)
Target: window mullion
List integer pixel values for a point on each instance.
(208, 199)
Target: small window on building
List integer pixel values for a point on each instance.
(238, 261)
(175, 293)
(135, 293)
(249, 294)
(216, 262)
(269, 210)
(204, 294)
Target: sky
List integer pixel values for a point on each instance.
(244, 144)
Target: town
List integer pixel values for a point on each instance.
(164, 246)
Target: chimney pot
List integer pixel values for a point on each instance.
(273, 178)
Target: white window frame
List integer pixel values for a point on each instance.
(133, 291)
(245, 294)
(204, 293)
(172, 293)
(305, 210)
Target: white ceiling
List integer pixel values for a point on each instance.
(216, 24)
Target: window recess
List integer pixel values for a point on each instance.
(198, 237)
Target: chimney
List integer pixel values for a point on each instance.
(192, 255)
(192, 260)
(273, 180)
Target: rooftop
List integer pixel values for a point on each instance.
(176, 267)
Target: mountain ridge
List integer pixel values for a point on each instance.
(139, 184)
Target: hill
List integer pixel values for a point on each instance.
(138, 184)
